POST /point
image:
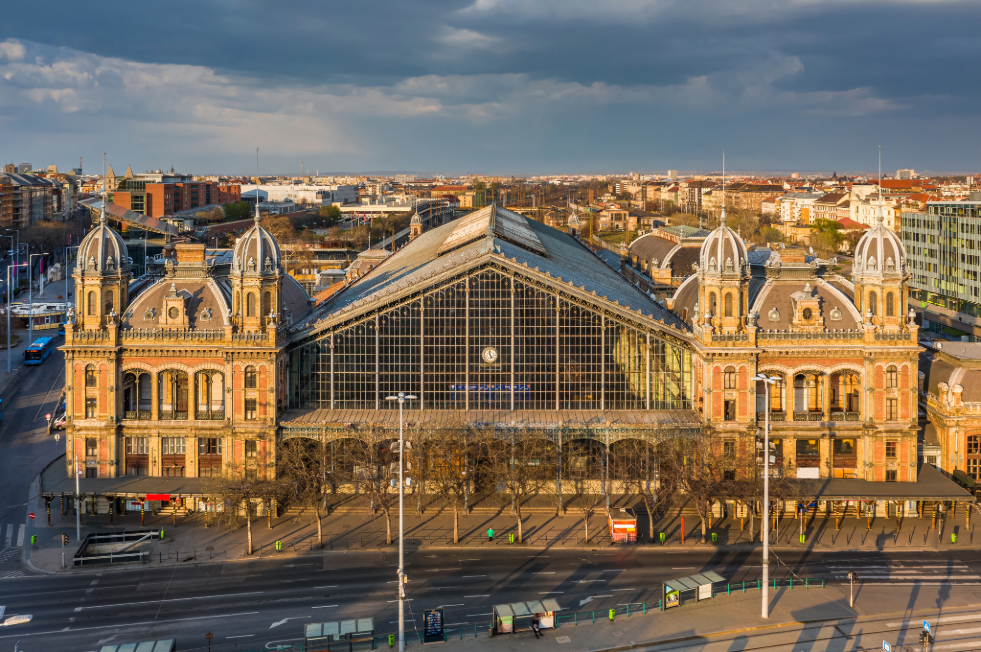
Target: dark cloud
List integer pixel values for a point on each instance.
(648, 85)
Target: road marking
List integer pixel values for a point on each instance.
(624, 570)
(941, 620)
(117, 625)
(284, 620)
(452, 624)
(407, 600)
(684, 568)
(602, 596)
(327, 606)
(476, 615)
(623, 589)
(93, 582)
(960, 631)
(450, 605)
(589, 581)
(547, 592)
(10, 534)
(332, 586)
(545, 573)
(474, 576)
(20, 535)
(241, 636)
(485, 595)
(127, 604)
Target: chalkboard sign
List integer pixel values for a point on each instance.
(433, 626)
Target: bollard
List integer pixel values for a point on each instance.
(594, 617)
(575, 620)
(662, 537)
(953, 538)
(802, 538)
(790, 582)
(744, 587)
(806, 582)
(34, 539)
(161, 534)
(715, 538)
(279, 546)
(613, 613)
(511, 538)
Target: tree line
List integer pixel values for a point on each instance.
(454, 468)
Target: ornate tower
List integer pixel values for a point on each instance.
(102, 278)
(257, 280)
(415, 227)
(881, 279)
(723, 282)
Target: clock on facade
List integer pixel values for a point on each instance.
(489, 355)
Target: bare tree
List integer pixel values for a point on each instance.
(238, 487)
(373, 471)
(640, 477)
(304, 473)
(519, 467)
(696, 468)
(583, 469)
(450, 454)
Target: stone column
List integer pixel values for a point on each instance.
(826, 399)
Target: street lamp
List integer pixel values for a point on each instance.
(767, 381)
(16, 252)
(401, 398)
(9, 293)
(30, 296)
(68, 254)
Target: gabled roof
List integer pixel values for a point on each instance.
(509, 239)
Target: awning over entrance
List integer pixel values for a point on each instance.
(124, 487)
(930, 485)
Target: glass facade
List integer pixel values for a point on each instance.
(491, 342)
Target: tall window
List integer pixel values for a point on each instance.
(728, 304)
(729, 377)
(138, 445)
(873, 303)
(891, 375)
(92, 308)
(91, 447)
(91, 378)
(109, 303)
(251, 449)
(729, 410)
(890, 308)
(892, 409)
(712, 304)
(729, 448)
(891, 447)
(266, 304)
(172, 445)
(209, 446)
(91, 406)
(250, 378)
(250, 304)
(250, 409)
(974, 456)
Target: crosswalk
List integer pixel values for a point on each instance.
(12, 529)
(900, 571)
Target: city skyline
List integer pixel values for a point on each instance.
(493, 87)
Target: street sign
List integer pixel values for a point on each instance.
(926, 626)
(32, 516)
(886, 647)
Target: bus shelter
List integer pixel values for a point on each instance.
(342, 636)
(699, 585)
(507, 618)
(165, 645)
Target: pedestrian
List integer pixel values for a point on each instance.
(534, 627)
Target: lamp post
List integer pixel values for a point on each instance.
(30, 297)
(78, 505)
(767, 381)
(16, 253)
(9, 293)
(401, 398)
(68, 253)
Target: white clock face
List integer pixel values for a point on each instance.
(489, 355)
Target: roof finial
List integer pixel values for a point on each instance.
(722, 216)
(257, 185)
(880, 217)
(105, 193)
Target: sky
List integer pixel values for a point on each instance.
(517, 87)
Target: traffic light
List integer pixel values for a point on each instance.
(64, 539)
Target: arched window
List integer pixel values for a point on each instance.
(729, 376)
(250, 377)
(172, 392)
(238, 300)
(890, 308)
(109, 304)
(266, 304)
(712, 304)
(873, 303)
(891, 377)
(250, 304)
(209, 387)
(91, 376)
(728, 304)
(92, 303)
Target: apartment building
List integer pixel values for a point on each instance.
(157, 194)
(943, 246)
(26, 199)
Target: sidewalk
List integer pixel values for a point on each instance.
(880, 613)
(16, 360)
(187, 540)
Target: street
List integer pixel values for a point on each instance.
(263, 603)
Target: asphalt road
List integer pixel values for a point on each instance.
(263, 603)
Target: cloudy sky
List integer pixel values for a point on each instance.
(492, 86)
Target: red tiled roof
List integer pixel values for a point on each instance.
(849, 223)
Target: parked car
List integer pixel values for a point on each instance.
(59, 421)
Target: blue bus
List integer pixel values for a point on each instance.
(39, 351)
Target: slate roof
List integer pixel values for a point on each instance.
(490, 233)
